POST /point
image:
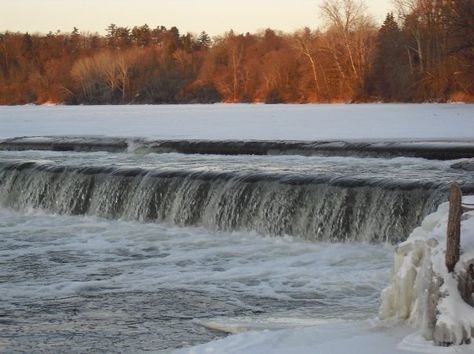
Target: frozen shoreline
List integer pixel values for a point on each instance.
(398, 122)
(423, 292)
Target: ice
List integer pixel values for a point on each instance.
(365, 337)
(259, 122)
(422, 291)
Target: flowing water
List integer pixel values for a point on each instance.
(134, 250)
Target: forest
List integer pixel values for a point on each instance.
(423, 52)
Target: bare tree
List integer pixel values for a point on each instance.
(104, 75)
(304, 41)
(352, 34)
(345, 16)
(84, 72)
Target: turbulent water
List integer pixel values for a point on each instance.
(317, 198)
(137, 250)
(89, 284)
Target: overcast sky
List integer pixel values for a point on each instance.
(214, 16)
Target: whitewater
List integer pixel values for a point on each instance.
(221, 228)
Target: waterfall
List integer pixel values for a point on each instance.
(314, 208)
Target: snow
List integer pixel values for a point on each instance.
(259, 122)
(364, 337)
(422, 292)
(326, 338)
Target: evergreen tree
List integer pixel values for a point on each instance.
(204, 40)
(141, 36)
(388, 77)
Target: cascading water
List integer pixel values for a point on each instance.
(314, 207)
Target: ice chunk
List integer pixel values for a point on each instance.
(422, 291)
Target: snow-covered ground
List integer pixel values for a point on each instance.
(260, 122)
(369, 337)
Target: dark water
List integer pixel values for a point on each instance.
(436, 150)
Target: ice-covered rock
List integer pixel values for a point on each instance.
(423, 292)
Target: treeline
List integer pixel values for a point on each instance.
(424, 53)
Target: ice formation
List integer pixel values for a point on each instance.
(423, 293)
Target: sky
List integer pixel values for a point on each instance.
(213, 16)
